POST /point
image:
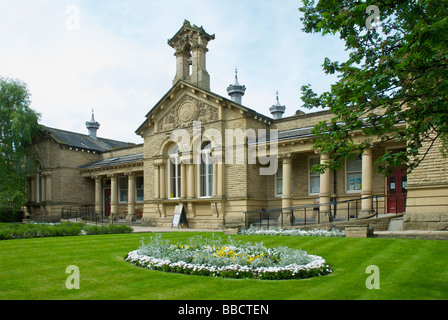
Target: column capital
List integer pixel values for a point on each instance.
(130, 173)
(286, 156)
(324, 156)
(158, 163)
(367, 151)
(186, 159)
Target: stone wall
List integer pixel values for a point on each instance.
(62, 184)
(427, 203)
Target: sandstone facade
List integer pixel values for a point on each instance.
(149, 180)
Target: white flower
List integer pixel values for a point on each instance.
(289, 265)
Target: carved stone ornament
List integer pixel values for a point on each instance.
(187, 110)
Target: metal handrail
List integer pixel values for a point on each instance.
(86, 213)
(333, 209)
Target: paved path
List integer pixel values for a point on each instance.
(402, 234)
(412, 234)
(159, 230)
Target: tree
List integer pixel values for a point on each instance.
(18, 125)
(393, 86)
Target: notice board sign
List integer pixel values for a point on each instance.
(179, 217)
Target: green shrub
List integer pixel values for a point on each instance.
(40, 230)
(93, 230)
(114, 229)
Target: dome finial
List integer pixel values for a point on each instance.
(277, 110)
(92, 126)
(236, 91)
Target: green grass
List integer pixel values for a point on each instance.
(35, 269)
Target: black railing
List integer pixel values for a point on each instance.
(83, 213)
(342, 210)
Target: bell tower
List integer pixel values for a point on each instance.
(190, 45)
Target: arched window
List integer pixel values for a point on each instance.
(174, 180)
(206, 171)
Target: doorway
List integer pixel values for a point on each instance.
(107, 202)
(396, 191)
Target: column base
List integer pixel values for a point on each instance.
(323, 217)
(365, 213)
(131, 217)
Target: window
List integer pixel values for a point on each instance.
(174, 182)
(139, 189)
(206, 171)
(354, 174)
(314, 177)
(123, 189)
(279, 181)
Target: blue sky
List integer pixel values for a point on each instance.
(117, 60)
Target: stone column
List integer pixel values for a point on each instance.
(367, 183)
(43, 189)
(48, 187)
(33, 189)
(286, 190)
(220, 178)
(98, 195)
(156, 180)
(183, 180)
(162, 181)
(324, 195)
(131, 197)
(182, 66)
(199, 74)
(190, 180)
(113, 196)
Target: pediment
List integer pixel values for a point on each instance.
(184, 103)
(181, 113)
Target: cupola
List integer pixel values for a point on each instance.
(92, 126)
(277, 110)
(235, 90)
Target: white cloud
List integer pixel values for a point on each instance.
(118, 61)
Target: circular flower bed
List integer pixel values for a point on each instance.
(234, 259)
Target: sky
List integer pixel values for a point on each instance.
(112, 56)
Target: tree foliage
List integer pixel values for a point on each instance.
(18, 125)
(394, 85)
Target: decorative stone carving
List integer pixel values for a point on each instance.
(187, 110)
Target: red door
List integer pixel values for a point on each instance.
(107, 202)
(396, 191)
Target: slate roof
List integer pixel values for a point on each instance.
(132, 158)
(83, 141)
(286, 135)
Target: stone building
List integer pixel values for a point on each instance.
(218, 159)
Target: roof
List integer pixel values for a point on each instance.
(83, 141)
(182, 84)
(132, 158)
(286, 135)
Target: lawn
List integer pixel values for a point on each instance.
(33, 269)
